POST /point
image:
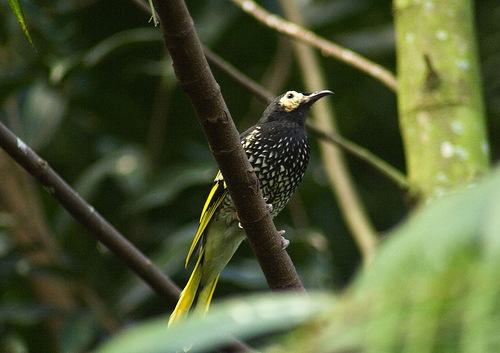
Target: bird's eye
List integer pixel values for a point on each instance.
(291, 100)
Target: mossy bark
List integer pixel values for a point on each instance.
(439, 96)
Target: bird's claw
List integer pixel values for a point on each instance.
(269, 206)
(284, 242)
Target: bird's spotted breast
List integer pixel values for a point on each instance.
(279, 157)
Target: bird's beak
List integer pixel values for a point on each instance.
(313, 97)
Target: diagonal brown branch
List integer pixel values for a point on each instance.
(327, 48)
(195, 77)
(87, 216)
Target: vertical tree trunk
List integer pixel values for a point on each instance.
(439, 98)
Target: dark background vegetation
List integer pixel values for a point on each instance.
(115, 125)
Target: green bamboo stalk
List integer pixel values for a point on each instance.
(439, 97)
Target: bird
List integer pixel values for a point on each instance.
(278, 149)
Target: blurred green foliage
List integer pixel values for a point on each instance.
(431, 288)
(99, 101)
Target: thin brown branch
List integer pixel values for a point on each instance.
(327, 47)
(240, 78)
(391, 172)
(87, 216)
(195, 77)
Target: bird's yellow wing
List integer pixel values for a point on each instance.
(217, 194)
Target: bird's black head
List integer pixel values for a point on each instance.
(291, 107)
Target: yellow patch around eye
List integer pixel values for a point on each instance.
(291, 100)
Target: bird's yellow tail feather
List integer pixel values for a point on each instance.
(205, 297)
(187, 296)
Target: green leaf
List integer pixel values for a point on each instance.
(153, 13)
(125, 164)
(42, 112)
(170, 184)
(242, 318)
(96, 54)
(433, 286)
(16, 8)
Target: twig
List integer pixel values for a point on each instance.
(354, 149)
(195, 77)
(87, 216)
(364, 154)
(239, 77)
(327, 48)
